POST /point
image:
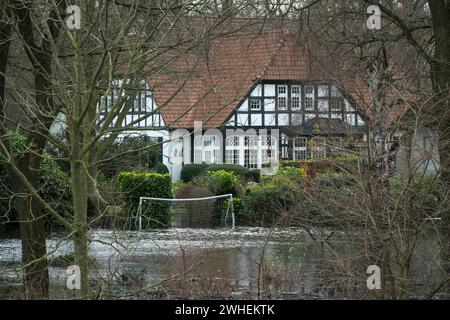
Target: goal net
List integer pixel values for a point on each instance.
(207, 212)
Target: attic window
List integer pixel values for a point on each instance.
(255, 104)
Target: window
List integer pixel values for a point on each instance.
(336, 105)
(281, 89)
(309, 98)
(295, 103)
(309, 90)
(232, 150)
(284, 146)
(206, 149)
(295, 97)
(268, 149)
(300, 148)
(251, 152)
(255, 104)
(282, 97)
(309, 104)
(282, 105)
(318, 148)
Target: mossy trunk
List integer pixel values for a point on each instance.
(79, 189)
(32, 234)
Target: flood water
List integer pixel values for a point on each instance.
(185, 263)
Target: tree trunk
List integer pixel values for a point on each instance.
(79, 190)
(440, 75)
(32, 231)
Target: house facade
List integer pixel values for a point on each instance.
(253, 100)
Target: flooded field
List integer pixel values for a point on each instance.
(189, 263)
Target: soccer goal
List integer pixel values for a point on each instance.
(207, 212)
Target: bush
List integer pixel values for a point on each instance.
(265, 203)
(54, 187)
(334, 180)
(252, 176)
(147, 184)
(334, 163)
(237, 169)
(160, 168)
(192, 170)
(218, 182)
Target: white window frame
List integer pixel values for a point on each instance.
(207, 149)
(255, 108)
(282, 96)
(300, 148)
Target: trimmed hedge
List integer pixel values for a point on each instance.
(147, 184)
(233, 168)
(252, 176)
(189, 171)
(264, 204)
(218, 182)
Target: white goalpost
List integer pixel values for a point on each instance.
(206, 212)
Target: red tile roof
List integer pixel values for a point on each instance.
(209, 82)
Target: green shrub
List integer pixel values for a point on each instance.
(54, 187)
(252, 176)
(265, 203)
(160, 168)
(218, 182)
(192, 170)
(334, 179)
(147, 184)
(234, 168)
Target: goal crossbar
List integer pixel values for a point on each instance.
(228, 195)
